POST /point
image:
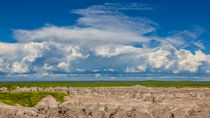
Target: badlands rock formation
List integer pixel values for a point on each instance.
(116, 102)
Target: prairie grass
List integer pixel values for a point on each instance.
(178, 84)
(28, 99)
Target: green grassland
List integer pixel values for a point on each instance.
(178, 84)
(28, 99)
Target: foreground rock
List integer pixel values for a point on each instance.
(117, 102)
(7, 111)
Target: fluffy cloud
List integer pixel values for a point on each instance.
(103, 40)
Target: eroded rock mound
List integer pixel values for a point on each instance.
(117, 102)
(7, 111)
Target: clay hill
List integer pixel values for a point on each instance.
(116, 102)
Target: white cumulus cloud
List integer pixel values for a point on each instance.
(103, 40)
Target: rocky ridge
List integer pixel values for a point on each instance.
(116, 102)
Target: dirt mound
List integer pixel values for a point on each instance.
(47, 102)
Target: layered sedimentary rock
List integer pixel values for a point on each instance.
(116, 102)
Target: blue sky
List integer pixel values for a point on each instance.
(170, 15)
(45, 37)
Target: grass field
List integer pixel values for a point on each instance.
(28, 99)
(178, 84)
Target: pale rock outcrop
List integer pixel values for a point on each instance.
(7, 111)
(116, 102)
(47, 102)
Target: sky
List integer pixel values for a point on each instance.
(58, 38)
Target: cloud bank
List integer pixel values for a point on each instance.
(103, 40)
